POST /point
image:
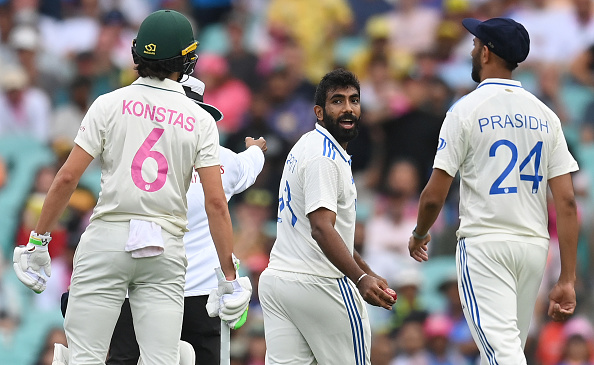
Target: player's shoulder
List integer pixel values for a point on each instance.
(319, 144)
(227, 156)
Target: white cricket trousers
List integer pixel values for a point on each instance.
(498, 281)
(310, 319)
(103, 273)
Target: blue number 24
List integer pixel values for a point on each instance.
(536, 178)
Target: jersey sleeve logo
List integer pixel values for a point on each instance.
(441, 145)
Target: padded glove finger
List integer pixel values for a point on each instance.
(213, 304)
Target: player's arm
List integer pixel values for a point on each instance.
(430, 203)
(62, 188)
(562, 297)
(363, 265)
(219, 220)
(250, 163)
(30, 260)
(322, 222)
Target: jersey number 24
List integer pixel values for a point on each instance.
(535, 153)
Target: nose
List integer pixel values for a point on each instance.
(348, 107)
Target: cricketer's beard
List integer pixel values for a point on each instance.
(340, 134)
(476, 68)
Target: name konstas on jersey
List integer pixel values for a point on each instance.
(158, 114)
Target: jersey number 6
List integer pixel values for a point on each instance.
(536, 178)
(145, 152)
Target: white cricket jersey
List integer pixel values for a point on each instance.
(317, 174)
(150, 137)
(506, 144)
(238, 172)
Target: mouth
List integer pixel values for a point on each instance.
(347, 123)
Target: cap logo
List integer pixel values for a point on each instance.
(150, 48)
(491, 44)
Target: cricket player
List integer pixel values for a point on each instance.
(203, 332)
(149, 137)
(312, 292)
(508, 148)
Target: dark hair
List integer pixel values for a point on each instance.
(510, 65)
(154, 69)
(337, 79)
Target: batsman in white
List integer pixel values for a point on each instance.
(200, 328)
(312, 292)
(508, 147)
(150, 137)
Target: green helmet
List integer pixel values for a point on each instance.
(164, 34)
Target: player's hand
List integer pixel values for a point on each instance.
(235, 301)
(562, 301)
(230, 301)
(372, 291)
(418, 248)
(30, 259)
(260, 142)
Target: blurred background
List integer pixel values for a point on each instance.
(261, 60)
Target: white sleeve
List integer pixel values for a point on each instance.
(248, 165)
(91, 133)
(451, 149)
(321, 184)
(561, 161)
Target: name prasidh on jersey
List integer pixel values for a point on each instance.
(518, 121)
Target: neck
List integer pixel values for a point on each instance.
(497, 73)
(174, 76)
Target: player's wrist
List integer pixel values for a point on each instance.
(418, 236)
(40, 239)
(360, 278)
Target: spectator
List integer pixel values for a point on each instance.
(66, 118)
(378, 46)
(290, 114)
(411, 345)
(412, 26)
(576, 351)
(386, 241)
(44, 69)
(408, 307)
(315, 31)
(437, 329)
(24, 110)
(460, 337)
(242, 62)
(230, 95)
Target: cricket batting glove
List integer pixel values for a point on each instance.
(29, 260)
(230, 301)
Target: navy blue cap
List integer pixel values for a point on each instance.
(505, 37)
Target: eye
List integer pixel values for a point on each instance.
(336, 101)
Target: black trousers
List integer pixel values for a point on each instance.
(198, 329)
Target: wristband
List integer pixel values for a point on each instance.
(40, 239)
(418, 236)
(360, 277)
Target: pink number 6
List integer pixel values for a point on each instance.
(145, 152)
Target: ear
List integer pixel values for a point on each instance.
(319, 112)
(485, 54)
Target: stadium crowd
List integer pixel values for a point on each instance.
(260, 61)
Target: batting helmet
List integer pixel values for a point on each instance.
(166, 36)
